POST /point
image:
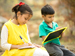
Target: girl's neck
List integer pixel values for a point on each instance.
(15, 21)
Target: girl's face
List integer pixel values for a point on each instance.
(24, 18)
(48, 18)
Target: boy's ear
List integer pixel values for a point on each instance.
(43, 16)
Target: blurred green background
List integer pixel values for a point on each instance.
(64, 16)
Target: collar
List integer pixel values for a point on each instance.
(46, 24)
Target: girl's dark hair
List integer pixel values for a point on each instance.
(23, 9)
(47, 9)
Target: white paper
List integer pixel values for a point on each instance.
(26, 47)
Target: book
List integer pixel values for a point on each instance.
(53, 35)
(26, 47)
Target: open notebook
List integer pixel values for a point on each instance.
(26, 47)
(53, 35)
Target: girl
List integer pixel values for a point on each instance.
(14, 34)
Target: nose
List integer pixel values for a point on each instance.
(26, 21)
(52, 18)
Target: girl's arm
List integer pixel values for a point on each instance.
(32, 44)
(6, 45)
(28, 36)
(18, 46)
(4, 38)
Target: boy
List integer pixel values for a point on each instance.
(53, 47)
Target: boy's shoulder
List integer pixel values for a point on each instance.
(42, 24)
(54, 23)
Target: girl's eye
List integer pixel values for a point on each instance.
(25, 18)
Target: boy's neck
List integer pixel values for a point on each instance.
(49, 24)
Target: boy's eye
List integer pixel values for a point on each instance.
(49, 17)
(28, 20)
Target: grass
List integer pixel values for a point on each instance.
(36, 40)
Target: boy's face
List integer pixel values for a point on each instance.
(48, 18)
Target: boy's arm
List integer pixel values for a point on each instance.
(42, 31)
(43, 37)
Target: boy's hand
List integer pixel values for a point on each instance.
(62, 34)
(58, 28)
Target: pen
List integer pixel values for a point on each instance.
(22, 39)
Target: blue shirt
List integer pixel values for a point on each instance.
(44, 30)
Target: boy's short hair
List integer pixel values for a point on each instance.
(47, 9)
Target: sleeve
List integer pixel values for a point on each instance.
(56, 25)
(4, 38)
(42, 31)
(28, 36)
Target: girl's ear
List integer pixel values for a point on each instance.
(30, 17)
(18, 13)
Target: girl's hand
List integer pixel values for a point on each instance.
(24, 45)
(29, 44)
(18, 46)
(36, 45)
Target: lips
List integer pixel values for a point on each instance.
(24, 23)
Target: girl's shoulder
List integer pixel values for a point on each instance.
(8, 22)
